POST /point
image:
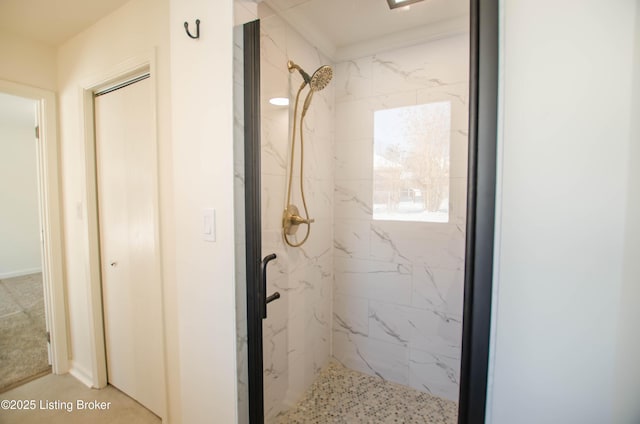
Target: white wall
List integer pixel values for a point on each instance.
(565, 182)
(627, 383)
(19, 222)
(27, 62)
(202, 119)
(139, 28)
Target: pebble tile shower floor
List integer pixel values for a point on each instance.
(340, 395)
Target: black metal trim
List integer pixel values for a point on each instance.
(121, 85)
(253, 237)
(481, 186)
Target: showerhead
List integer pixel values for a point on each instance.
(318, 81)
(320, 78)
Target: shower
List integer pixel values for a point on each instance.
(291, 218)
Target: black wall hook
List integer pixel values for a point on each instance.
(186, 28)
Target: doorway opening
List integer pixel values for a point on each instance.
(32, 311)
(396, 299)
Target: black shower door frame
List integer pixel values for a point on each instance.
(481, 189)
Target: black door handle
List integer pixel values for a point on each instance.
(274, 296)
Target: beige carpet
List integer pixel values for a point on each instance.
(57, 396)
(341, 395)
(23, 343)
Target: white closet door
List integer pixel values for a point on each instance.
(131, 283)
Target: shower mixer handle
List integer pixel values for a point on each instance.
(297, 220)
(291, 220)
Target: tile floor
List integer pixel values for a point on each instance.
(340, 395)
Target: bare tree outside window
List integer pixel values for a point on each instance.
(411, 163)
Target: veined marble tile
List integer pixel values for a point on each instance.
(273, 197)
(435, 64)
(406, 241)
(431, 331)
(319, 158)
(354, 159)
(273, 41)
(354, 120)
(275, 359)
(313, 276)
(390, 323)
(458, 202)
(320, 195)
(239, 230)
(386, 360)
(436, 332)
(442, 247)
(386, 245)
(353, 199)
(459, 144)
(457, 170)
(244, 11)
(385, 281)
(302, 53)
(274, 82)
(392, 100)
(353, 79)
(351, 314)
(351, 238)
(239, 205)
(438, 289)
(435, 374)
(275, 390)
(318, 348)
(457, 94)
(274, 147)
(318, 244)
(323, 109)
(309, 342)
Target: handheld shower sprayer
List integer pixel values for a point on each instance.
(291, 218)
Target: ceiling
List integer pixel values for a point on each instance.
(335, 26)
(52, 21)
(340, 27)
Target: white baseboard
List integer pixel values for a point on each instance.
(80, 374)
(20, 273)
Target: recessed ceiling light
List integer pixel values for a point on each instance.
(394, 4)
(279, 101)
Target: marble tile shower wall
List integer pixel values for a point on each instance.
(398, 286)
(239, 229)
(297, 332)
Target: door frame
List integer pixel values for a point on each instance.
(481, 190)
(119, 73)
(481, 197)
(50, 219)
(253, 224)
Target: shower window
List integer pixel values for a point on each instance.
(411, 163)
